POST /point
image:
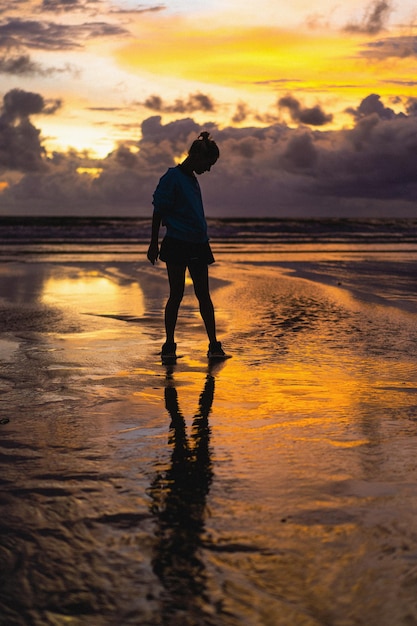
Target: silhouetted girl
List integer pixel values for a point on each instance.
(179, 207)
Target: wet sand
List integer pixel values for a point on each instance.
(276, 488)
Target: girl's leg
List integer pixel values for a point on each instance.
(176, 278)
(199, 275)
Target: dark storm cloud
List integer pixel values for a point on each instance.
(194, 102)
(20, 104)
(20, 145)
(274, 170)
(300, 152)
(281, 171)
(125, 157)
(163, 142)
(377, 161)
(373, 104)
(313, 116)
(374, 20)
(17, 33)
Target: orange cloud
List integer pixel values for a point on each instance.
(245, 57)
(236, 56)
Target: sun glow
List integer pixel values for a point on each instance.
(61, 136)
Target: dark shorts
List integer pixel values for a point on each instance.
(179, 252)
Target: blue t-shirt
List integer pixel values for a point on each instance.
(177, 199)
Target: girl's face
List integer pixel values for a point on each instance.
(202, 163)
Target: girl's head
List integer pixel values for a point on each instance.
(204, 153)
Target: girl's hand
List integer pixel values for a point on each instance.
(153, 252)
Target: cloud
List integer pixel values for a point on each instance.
(313, 116)
(20, 65)
(140, 9)
(39, 35)
(376, 162)
(23, 65)
(411, 107)
(105, 109)
(402, 47)
(374, 20)
(52, 106)
(194, 102)
(15, 33)
(20, 144)
(20, 104)
(65, 5)
(372, 105)
(278, 81)
(6, 6)
(161, 143)
(274, 170)
(241, 114)
(203, 103)
(61, 5)
(125, 157)
(300, 152)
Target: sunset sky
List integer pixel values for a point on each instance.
(313, 106)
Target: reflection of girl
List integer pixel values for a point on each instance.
(179, 493)
(178, 206)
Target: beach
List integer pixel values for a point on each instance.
(276, 488)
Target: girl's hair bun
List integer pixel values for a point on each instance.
(204, 144)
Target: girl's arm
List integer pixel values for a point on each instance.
(153, 250)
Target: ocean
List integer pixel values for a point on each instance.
(265, 235)
(367, 256)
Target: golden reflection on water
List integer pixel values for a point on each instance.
(312, 417)
(95, 293)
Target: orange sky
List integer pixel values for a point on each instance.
(327, 55)
(105, 67)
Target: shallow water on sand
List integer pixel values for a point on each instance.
(276, 488)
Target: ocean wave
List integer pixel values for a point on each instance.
(102, 231)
